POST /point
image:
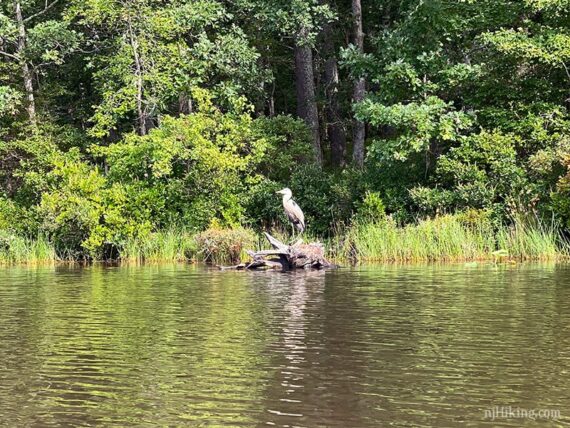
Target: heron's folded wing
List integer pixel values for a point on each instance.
(298, 213)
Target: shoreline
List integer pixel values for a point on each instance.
(446, 238)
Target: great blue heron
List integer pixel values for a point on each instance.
(292, 210)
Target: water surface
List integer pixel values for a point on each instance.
(374, 346)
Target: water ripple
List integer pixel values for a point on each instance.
(374, 346)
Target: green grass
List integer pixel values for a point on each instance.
(171, 245)
(444, 238)
(448, 238)
(532, 241)
(17, 249)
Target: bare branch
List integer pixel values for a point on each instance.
(41, 12)
(566, 69)
(36, 67)
(9, 55)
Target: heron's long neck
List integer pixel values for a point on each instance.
(286, 198)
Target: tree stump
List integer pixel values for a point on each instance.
(286, 257)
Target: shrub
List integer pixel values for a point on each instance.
(325, 198)
(200, 161)
(372, 208)
(480, 172)
(16, 218)
(263, 206)
(219, 245)
(561, 196)
(288, 146)
(204, 164)
(84, 213)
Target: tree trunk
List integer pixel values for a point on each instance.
(272, 101)
(141, 113)
(184, 103)
(26, 73)
(305, 89)
(335, 128)
(359, 130)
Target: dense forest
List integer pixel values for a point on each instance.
(123, 118)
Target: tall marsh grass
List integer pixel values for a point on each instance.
(534, 240)
(444, 238)
(18, 249)
(449, 238)
(171, 245)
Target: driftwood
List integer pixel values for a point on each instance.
(286, 257)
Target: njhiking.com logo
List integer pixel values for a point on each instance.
(510, 412)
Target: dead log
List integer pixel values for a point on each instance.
(286, 257)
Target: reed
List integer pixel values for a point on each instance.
(443, 238)
(170, 245)
(448, 238)
(18, 249)
(533, 240)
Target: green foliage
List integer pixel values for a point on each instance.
(371, 209)
(190, 171)
(549, 47)
(418, 126)
(10, 100)
(467, 107)
(452, 238)
(478, 173)
(50, 42)
(151, 56)
(198, 165)
(263, 206)
(154, 120)
(326, 199)
(82, 211)
(288, 146)
(298, 19)
(15, 218)
(561, 197)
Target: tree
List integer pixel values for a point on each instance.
(305, 88)
(359, 130)
(449, 74)
(26, 74)
(335, 125)
(296, 23)
(33, 44)
(149, 56)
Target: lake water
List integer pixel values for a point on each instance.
(372, 346)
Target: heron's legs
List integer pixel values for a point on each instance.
(295, 235)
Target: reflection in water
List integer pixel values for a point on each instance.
(294, 336)
(291, 385)
(183, 345)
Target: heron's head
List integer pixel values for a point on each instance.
(285, 192)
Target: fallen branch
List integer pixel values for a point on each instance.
(290, 257)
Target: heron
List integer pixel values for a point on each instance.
(293, 211)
